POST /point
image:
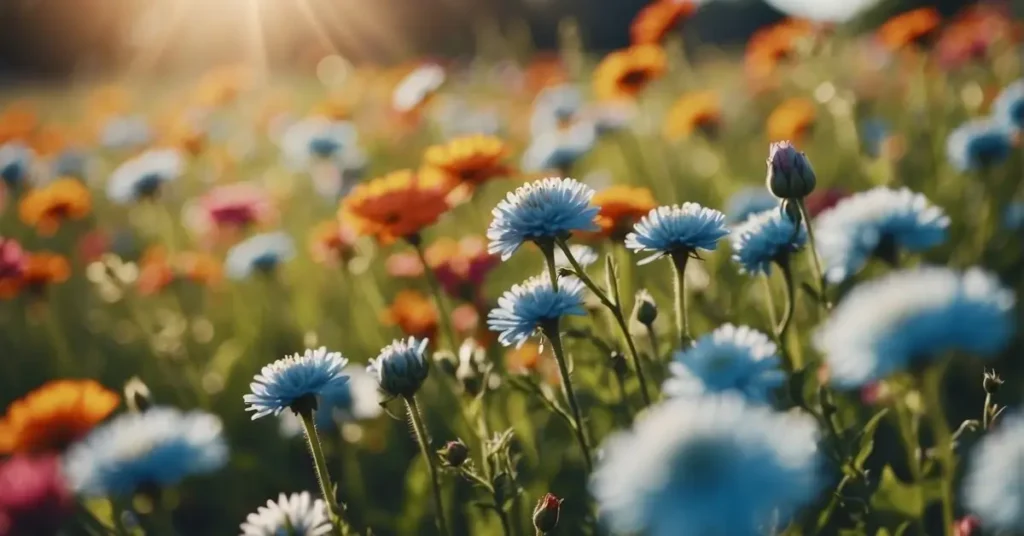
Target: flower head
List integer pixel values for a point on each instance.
(158, 269)
(994, 484)
(714, 465)
(907, 29)
(461, 266)
(765, 238)
(13, 262)
(231, 208)
(331, 243)
(261, 253)
(792, 120)
(471, 160)
(979, 144)
(417, 88)
(730, 359)
(46, 207)
(397, 205)
(291, 381)
(319, 139)
(160, 447)
(532, 305)
(560, 149)
(542, 210)
(621, 207)
(624, 74)
(145, 175)
(555, 108)
(297, 514)
(790, 175)
(656, 20)
(41, 269)
(34, 498)
(545, 514)
(879, 222)
(911, 317)
(1009, 105)
(769, 47)
(677, 229)
(699, 111)
(53, 416)
(15, 163)
(413, 313)
(401, 367)
(748, 202)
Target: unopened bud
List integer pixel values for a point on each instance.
(790, 175)
(454, 453)
(137, 395)
(545, 514)
(991, 382)
(645, 310)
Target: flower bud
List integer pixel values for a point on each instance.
(455, 453)
(790, 175)
(137, 395)
(545, 514)
(991, 382)
(401, 367)
(645, 310)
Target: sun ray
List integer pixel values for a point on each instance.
(321, 34)
(150, 53)
(257, 53)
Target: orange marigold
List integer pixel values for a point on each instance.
(621, 207)
(768, 47)
(45, 208)
(657, 19)
(469, 161)
(623, 74)
(909, 28)
(55, 415)
(697, 111)
(413, 313)
(397, 205)
(791, 120)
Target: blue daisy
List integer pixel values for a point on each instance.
(994, 484)
(766, 238)
(677, 229)
(708, 465)
(542, 210)
(145, 175)
(1008, 107)
(880, 222)
(747, 202)
(979, 144)
(281, 384)
(730, 359)
(559, 149)
(259, 254)
(401, 367)
(527, 307)
(160, 446)
(297, 514)
(15, 163)
(910, 317)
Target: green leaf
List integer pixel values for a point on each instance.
(898, 497)
(866, 439)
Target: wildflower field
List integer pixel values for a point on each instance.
(656, 291)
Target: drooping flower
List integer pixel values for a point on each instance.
(158, 447)
(714, 465)
(700, 111)
(15, 163)
(533, 305)
(766, 238)
(674, 229)
(748, 202)
(292, 381)
(34, 499)
(732, 358)
(792, 120)
(401, 367)
(413, 313)
(297, 514)
(979, 144)
(624, 74)
(417, 88)
(909, 318)
(880, 222)
(397, 205)
(469, 161)
(657, 19)
(331, 243)
(543, 210)
(620, 208)
(13, 262)
(559, 149)
(1008, 107)
(994, 484)
(910, 28)
(55, 415)
(262, 253)
(45, 208)
(145, 175)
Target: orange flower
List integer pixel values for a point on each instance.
(330, 243)
(531, 358)
(469, 161)
(768, 47)
(623, 74)
(18, 121)
(908, 28)
(791, 120)
(157, 269)
(45, 208)
(413, 313)
(397, 205)
(656, 20)
(698, 111)
(621, 207)
(55, 415)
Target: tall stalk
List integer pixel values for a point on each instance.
(420, 428)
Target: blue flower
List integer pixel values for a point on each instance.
(1013, 216)
(979, 144)
(765, 238)
(737, 359)
(261, 253)
(911, 317)
(708, 465)
(160, 446)
(143, 176)
(747, 202)
(559, 149)
(879, 222)
(1008, 107)
(15, 164)
(320, 139)
(677, 229)
(357, 400)
(401, 367)
(873, 134)
(994, 484)
(297, 514)
(554, 108)
(527, 307)
(281, 384)
(541, 210)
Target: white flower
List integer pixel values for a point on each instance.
(295, 515)
(417, 87)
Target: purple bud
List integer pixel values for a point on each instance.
(790, 175)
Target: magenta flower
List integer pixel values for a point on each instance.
(12, 259)
(227, 210)
(33, 496)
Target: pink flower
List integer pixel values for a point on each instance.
(966, 526)
(226, 211)
(12, 259)
(33, 497)
(404, 264)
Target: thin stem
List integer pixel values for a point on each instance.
(787, 316)
(679, 261)
(323, 477)
(985, 419)
(819, 274)
(770, 302)
(931, 389)
(435, 289)
(483, 431)
(420, 428)
(909, 436)
(555, 338)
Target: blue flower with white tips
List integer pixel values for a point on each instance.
(708, 465)
(259, 254)
(979, 144)
(559, 149)
(554, 108)
(747, 202)
(160, 446)
(297, 514)
(15, 163)
(879, 222)
(281, 384)
(911, 317)
(673, 229)
(401, 367)
(542, 210)
(319, 139)
(994, 484)
(1008, 107)
(145, 175)
(730, 359)
(531, 305)
(765, 238)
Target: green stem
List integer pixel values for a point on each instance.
(909, 436)
(679, 260)
(323, 477)
(819, 274)
(770, 303)
(985, 420)
(483, 431)
(553, 335)
(787, 316)
(420, 428)
(931, 389)
(435, 289)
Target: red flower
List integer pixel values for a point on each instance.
(33, 497)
